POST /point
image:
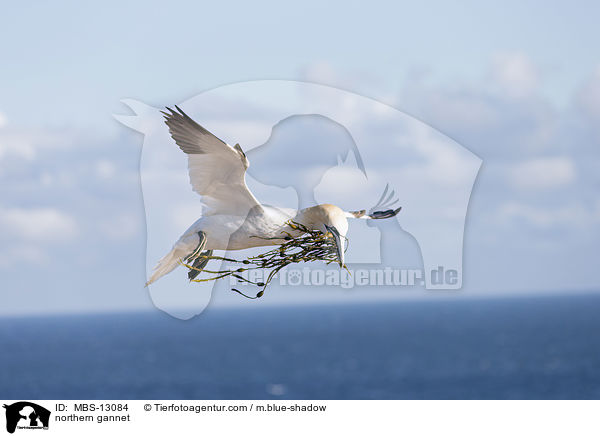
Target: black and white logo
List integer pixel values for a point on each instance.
(26, 415)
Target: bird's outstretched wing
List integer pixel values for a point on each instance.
(217, 170)
(385, 202)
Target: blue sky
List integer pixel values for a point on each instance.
(518, 83)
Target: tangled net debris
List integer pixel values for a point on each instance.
(311, 246)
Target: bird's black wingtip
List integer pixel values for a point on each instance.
(168, 115)
(383, 214)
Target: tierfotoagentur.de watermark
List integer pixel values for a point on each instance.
(350, 278)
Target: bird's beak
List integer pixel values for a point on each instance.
(339, 246)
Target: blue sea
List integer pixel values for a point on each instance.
(510, 348)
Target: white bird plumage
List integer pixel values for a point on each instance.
(232, 218)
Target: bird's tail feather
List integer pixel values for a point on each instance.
(164, 266)
(186, 248)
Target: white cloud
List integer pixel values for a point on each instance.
(38, 225)
(105, 169)
(543, 173)
(588, 96)
(498, 114)
(366, 82)
(14, 255)
(28, 144)
(462, 110)
(569, 216)
(321, 72)
(121, 227)
(515, 74)
(16, 145)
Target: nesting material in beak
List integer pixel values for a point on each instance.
(339, 246)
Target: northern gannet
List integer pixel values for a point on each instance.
(232, 218)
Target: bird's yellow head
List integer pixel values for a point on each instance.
(328, 219)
